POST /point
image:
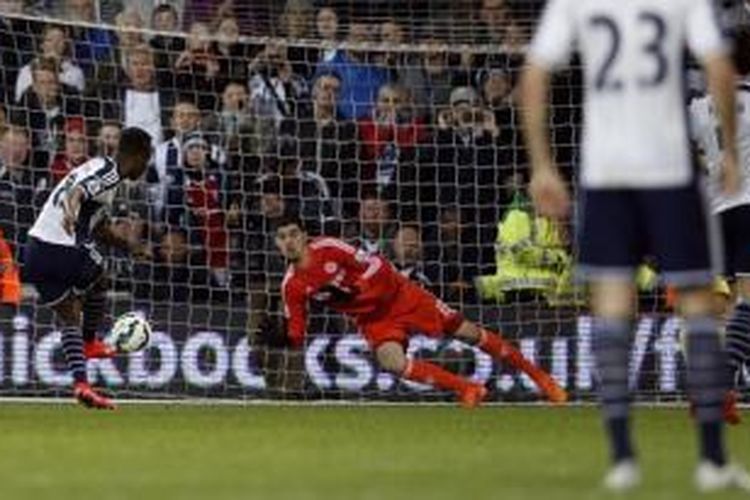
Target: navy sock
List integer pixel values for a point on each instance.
(707, 385)
(738, 340)
(611, 345)
(72, 343)
(93, 314)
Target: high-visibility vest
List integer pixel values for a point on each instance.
(10, 277)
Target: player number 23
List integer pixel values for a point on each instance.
(604, 79)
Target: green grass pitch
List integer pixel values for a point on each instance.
(333, 452)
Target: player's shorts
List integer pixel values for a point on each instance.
(735, 228)
(56, 271)
(414, 311)
(618, 228)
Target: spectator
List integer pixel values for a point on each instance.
(186, 118)
(75, 152)
(128, 38)
(108, 138)
(462, 162)
(195, 201)
(91, 46)
(15, 41)
(205, 11)
(297, 24)
(375, 228)
(389, 142)
(234, 128)
(54, 45)
(494, 19)
(275, 90)
(392, 34)
(197, 67)
(327, 25)
(360, 80)
(430, 80)
(165, 20)
(20, 189)
(455, 257)
(232, 53)
(138, 103)
(407, 254)
(497, 87)
(176, 275)
(325, 144)
(43, 108)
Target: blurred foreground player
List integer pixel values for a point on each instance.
(387, 308)
(61, 259)
(640, 193)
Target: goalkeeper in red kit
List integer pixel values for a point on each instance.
(387, 309)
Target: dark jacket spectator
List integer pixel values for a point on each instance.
(165, 20)
(21, 189)
(43, 108)
(139, 102)
(325, 144)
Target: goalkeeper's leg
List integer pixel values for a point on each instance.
(392, 358)
(502, 350)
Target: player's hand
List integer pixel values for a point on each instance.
(549, 194)
(731, 180)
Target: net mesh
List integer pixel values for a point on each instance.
(393, 125)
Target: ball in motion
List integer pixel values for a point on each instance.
(130, 332)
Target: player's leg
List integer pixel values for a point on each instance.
(502, 350)
(68, 315)
(392, 358)
(94, 306)
(610, 243)
(683, 238)
(735, 222)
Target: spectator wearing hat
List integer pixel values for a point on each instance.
(75, 152)
(196, 202)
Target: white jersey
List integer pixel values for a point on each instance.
(635, 130)
(707, 136)
(99, 179)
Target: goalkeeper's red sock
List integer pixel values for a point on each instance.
(470, 393)
(502, 350)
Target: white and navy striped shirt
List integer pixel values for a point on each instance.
(707, 135)
(99, 179)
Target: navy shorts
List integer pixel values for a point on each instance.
(619, 228)
(57, 270)
(735, 228)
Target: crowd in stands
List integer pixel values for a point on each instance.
(410, 150)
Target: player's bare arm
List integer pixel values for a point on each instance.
(547, 188)
(721, 77)
(71, 208)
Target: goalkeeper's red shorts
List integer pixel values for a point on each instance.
(414, 311)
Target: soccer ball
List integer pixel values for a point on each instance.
(131, 332)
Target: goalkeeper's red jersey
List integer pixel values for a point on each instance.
(342, 277)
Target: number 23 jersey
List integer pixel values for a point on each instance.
(633, 51)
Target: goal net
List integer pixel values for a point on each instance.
(393, 125)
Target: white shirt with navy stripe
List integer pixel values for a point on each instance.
(635, 129)
(707, 136)
(99, 179)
